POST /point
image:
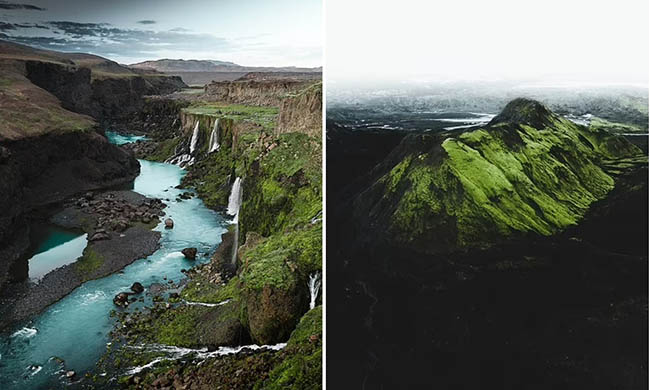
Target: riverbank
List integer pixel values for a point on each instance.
(118, 226)
(75, 329)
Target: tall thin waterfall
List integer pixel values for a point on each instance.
(195, 138)
(235, 245)
(234, 204)
(234, 201)
(314, 288)
(214, 137)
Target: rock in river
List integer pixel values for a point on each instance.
(189, 253)
(121, 299)
(169, 223)
(137, 288)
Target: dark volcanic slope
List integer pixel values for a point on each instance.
(565, 309)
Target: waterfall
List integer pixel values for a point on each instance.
(234, 201)
(195, 138)
(214, 137)
(234, 204)
(235, 244)
(314, 287)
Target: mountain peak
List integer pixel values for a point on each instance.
(524, 111)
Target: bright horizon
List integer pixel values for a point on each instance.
(556, 42)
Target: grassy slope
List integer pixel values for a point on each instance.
(27, 110)
(499, 181)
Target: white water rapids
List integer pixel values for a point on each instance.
(175, 353)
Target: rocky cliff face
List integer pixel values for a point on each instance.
(103, 98)
(254, 92)
(49, 150)
(302, 112)
(47, 169)
(528, 172)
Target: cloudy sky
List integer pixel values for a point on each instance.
(247, 32)
(553, 41)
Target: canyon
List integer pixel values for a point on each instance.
(253, 280)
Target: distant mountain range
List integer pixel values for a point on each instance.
(174, 66)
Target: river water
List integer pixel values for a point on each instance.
(76, 328)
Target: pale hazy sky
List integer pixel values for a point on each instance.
(247, 32)
(583, 41)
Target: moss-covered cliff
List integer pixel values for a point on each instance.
(528, 172)
(262, 296)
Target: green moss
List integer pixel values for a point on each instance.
(201, 290)
(285, 190)
(283, 258)
(178, 327)
(165, 150)
(88, 264)
(396, 174)
(263, 116)
(495, 182)
(273, 193)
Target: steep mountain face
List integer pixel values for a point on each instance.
(254, 92)
(302, 112)
(98, 95)
(528, 171)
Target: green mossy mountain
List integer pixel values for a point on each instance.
(528, 171)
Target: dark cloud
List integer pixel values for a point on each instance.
(78, 30)
(146, 22)
(4, 26)
(7, 26)
(108, 40)
(6, 5)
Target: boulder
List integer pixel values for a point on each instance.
(120, 225)
(189, 253)
(99, 235)
(221, 326)
(121, 299)
(273, 312)
(137, 288)
(169, 223)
